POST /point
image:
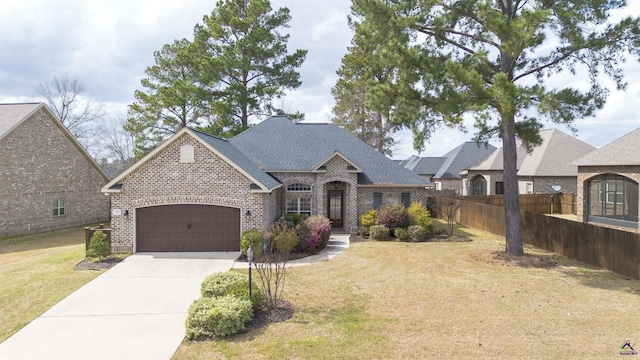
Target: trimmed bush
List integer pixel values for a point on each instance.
(224, 316)
(419, 215)
(393, 216)
(231, 283)
(417, 233)
(284, 238)
(402, 234)
(367, 220)
(302, 230)
(319, 232)
(99, 246)
(253, 238)
(379, 232)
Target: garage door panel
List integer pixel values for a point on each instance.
(187, 228)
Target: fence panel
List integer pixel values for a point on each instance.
(607, 248)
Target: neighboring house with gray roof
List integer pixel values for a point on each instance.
(608, 183)
(547, 169)
(445, 171)
(197, 192)
(49, 180)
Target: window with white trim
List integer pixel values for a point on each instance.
(59, 207)
(298, 199)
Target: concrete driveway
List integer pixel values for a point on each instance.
(135, 310)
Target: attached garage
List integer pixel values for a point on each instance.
(187, 228)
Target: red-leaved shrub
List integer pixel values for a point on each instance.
(393, 216)
(319, 232)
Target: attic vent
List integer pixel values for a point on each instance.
(187, 154)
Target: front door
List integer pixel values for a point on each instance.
(335, 208)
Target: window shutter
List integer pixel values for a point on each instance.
(377, 200)
(406, 199)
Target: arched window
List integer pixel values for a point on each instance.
(299, 188)
(613, 200)
(478, 185)
(298, 199)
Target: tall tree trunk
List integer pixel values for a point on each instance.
(511, 199)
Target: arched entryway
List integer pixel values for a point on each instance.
(478, 185)
(613, 199)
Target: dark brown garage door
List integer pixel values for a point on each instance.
(187, 228)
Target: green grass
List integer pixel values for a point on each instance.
(36, 272)
(391, 300)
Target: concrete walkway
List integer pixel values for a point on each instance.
(337, 244)
(135, 310)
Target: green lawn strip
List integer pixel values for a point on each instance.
(36, 272)
(437, 300)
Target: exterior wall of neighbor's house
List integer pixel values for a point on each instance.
(543, 184)
(450, 184)
(491, 177)
(39, 164)
(365, 196)
(337, 170)
(586, 173)
(164, 180)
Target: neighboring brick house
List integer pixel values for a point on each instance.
(608, 183)
(445, 171)
(196, 192)
(547, 169)
(49, 180)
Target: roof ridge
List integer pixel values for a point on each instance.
(209, 135)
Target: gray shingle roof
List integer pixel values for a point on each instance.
(278, 144)
(231, 153)
(622, 151)
(462, 158)
(427, 165)
(554, 157)
(12, 114)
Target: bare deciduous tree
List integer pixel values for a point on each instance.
(64, 96)
(448, 209)
(115, 143)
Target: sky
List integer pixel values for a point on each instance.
(109, 44)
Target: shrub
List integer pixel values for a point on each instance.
(417, 233)
(224, 316)
(402, 234)
(99, 246)
(231, 283)
(283, 237)
(319, 232)
(367, 220)
(393, 216)
(253, 238)
(379, 232)
(302, 230)
(419, 215)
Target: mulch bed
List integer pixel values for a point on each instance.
(437, 238)
(92, 264)
(283, 312)
(501, 258)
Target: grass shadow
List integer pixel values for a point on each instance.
(45, 240)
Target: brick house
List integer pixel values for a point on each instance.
(49, 180)
(608, 183)
(445, 171)
(547, 169)
(196, 192)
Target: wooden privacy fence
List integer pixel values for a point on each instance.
(558, 203)
(88, 233)
(611, 249)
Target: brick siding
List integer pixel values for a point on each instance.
(39, 164)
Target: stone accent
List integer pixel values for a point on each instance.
(586, 173)
(40, 164)
(164, 180)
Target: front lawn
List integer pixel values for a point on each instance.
(36, 272)
(393, 300)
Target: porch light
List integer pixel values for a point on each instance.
(249, 258)
(248, 213)
(126, 214)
